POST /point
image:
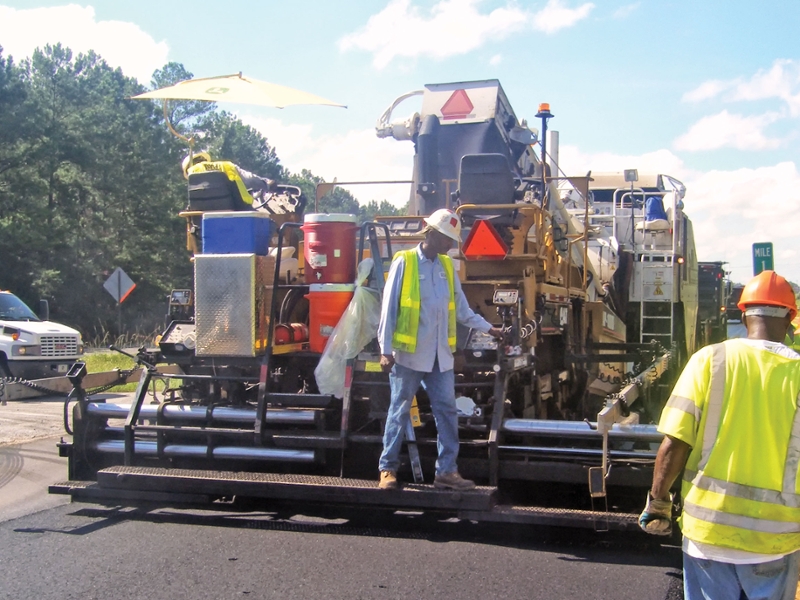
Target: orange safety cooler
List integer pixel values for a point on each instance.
(329, 248)
(327, 303)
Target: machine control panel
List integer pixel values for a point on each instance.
(479, 341)
(180, 305)
(505, 297)
(178, 338)
(480, 351)
(180, 298)
(555, 318)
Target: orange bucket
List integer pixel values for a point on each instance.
(326, 305)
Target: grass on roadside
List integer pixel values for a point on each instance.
(108, 360)
(99, 362)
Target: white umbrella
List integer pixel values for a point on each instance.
(236, 88)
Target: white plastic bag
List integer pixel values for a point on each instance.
(357, 328)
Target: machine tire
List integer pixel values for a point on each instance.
(4, 369)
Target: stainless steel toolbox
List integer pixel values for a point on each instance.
(232, 300)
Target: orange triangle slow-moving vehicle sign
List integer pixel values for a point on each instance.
(484, 243)
(458, 106)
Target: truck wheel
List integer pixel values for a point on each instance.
(4, 370)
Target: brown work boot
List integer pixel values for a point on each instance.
(453, 481)
(388, 481)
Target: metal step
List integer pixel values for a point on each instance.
(556, 517)
(309, 488)
(90, 491)
(126, 484)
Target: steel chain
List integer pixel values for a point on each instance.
(123, 375)
(33, 386)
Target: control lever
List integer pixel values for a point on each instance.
(138, 358)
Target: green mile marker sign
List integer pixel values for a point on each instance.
(762, 257)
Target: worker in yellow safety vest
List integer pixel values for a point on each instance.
(732, 425)
(246, 182)
(422, 302)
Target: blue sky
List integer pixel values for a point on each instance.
(706, 91)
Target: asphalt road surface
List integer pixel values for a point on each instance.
(51, 549)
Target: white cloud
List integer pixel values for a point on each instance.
(120, 43)
(356, 155)
(556, 16)
(496, 60)
(781, 81)
(734, 209)
(707, 90)
(574, 161)
(729, 130)
(730, 210)
(625, 11)
(450, 28)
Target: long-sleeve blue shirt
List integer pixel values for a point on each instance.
(434, 296)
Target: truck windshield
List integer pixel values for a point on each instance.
(14, 309)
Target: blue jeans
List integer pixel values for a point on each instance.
(713, 580)
(440, 387)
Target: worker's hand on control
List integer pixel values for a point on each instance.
(496, 333)
(656, 518)
(387, 362)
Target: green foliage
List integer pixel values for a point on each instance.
(183, 114)
(91, 181)
(101, 362)
(340, 200)
(384, 209)
(227, 138)
(86, 190)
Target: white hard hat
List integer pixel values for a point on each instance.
(447, 222)
(193, 159)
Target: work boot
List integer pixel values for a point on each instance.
(388, 481)
(453, 481)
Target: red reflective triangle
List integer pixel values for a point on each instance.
(484, 243)
(458, 106)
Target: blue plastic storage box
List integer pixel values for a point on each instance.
(237, 232)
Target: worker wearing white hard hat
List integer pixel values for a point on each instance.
(445, 221)
(422, 302)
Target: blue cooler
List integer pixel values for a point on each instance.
(237, 232)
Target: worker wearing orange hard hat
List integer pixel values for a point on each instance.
(422, 302)
(732, 426)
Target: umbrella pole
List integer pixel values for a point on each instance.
(188, 140)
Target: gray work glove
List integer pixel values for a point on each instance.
(656, 518)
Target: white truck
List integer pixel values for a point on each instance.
(32, 347)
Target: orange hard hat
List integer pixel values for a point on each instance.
(768, 289)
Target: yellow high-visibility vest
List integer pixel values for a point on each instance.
(737, 406)
(405, 332)
(229, 169)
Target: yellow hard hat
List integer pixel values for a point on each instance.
(193, 159)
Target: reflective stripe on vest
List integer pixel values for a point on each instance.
(447, 263)
(230, 171)
(405, 331)
(685, 405)
(407, 325)
(718, 511)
